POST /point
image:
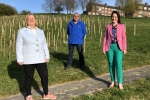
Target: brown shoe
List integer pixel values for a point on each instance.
(49, 96)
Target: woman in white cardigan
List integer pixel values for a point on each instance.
(32, 52)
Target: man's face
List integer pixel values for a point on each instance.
(76, 17)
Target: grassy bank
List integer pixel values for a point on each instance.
(137, 90)
(12, 75)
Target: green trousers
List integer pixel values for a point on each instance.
(114, 56)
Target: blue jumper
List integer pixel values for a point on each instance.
(76, 32)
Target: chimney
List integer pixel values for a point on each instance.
(146, 4)
(105, 4)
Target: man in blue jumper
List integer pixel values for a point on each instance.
(76, 31)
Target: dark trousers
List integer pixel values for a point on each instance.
(80, 52)
(29, 73)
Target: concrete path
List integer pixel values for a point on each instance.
(87, 86)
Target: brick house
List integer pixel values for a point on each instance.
(101, 9)
(144, 11)
(105, 10)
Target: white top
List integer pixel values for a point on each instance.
(33, 30)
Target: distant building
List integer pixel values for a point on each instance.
(106, 10)
(101, 9)
(144, 11)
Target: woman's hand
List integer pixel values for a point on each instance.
(47, 60)
(104, 52)
(124, 51)
(20, 63)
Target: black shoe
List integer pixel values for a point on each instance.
(67, 67)
(83, 68)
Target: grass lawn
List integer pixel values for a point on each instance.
(12, 75)
(137, 90)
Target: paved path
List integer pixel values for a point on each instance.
(87, 86)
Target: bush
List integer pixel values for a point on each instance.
(7, 10)
(25, 12)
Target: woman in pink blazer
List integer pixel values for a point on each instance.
(114, 46)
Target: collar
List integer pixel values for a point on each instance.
(114, 26)
(30, 27)
(73, 21)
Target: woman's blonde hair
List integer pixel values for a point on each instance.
(36, 24)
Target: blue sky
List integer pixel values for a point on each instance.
(35, 5)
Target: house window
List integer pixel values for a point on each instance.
(140, 12)
(145, 8)
(102, 7)
(139, 15)
(89, 13)
(97, 13)
(105, 8)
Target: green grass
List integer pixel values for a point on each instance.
(137, 90)
(12, 75)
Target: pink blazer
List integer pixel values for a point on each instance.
(121, 37)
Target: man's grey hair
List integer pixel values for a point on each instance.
(76, 13)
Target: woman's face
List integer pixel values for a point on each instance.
(31, 20)
(114, 18)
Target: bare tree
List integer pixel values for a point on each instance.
(73, 6)
(83, 3)
(92, 6)
(67, 4)
(96, 1)
(58, 5)
(70, 5)
(129, 6)
(48, 5)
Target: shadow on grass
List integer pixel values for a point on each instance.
(16, 71)
(63, 58)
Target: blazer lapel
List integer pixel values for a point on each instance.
(29, 32)
(38, 32)
(118, 27)
(110, 29)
